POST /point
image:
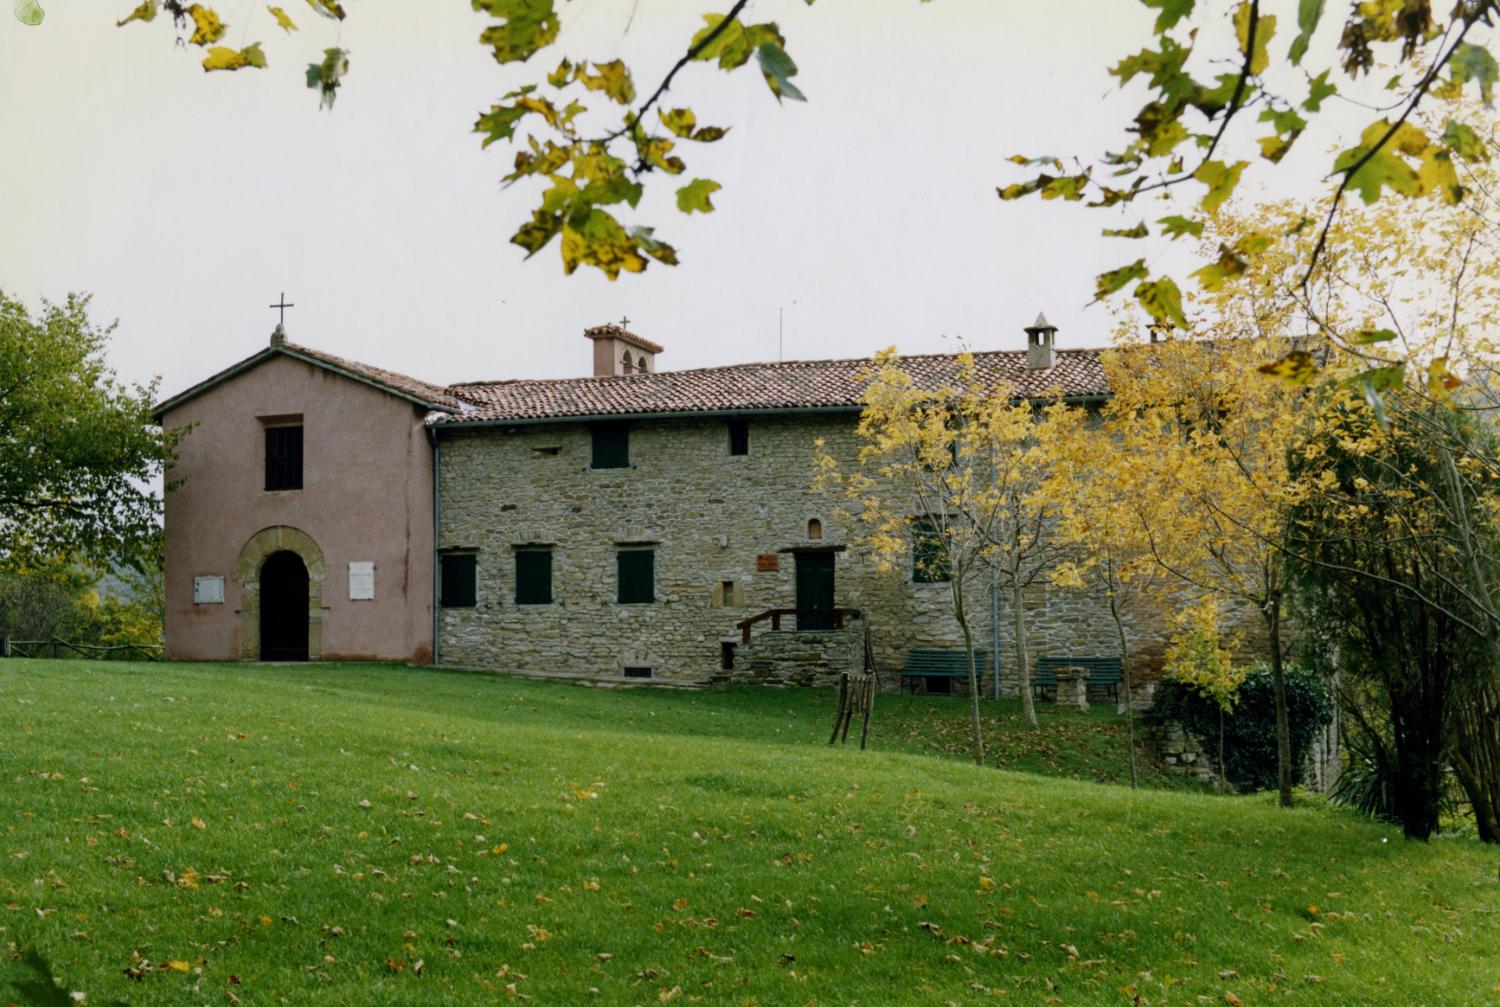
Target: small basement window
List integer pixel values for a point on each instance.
(611, 446)
(739, 437)
(457, 586)
(637, 671)
(726, 655)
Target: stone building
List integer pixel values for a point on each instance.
(621, 525)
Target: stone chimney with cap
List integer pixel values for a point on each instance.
(1039, 338)
(618, 351)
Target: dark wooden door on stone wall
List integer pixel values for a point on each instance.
(283, 608)
(814, 589)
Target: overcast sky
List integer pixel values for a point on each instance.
(188, 202)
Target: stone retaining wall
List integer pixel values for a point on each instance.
(800, 658)
(1184, 753)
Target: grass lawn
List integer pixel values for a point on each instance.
(367, 834)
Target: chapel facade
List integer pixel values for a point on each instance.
(624, 525)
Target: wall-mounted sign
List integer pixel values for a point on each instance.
(208, 590)
(768, 562)
(361, 581)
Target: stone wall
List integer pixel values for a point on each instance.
(789, 657)
(1183, 752)
(712, 518)
(1186, 754)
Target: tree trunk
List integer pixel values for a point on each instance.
(1114, 611)
(1023, 667)
(1219, 775)
(1419, 774)
(963, 624)
(1272, 613)
(1476, 757)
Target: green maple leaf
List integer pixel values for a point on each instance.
(1221, 179)
(1162, 301)
(1172, 11)
(1318, 89)
(1175, 226)
(526, 26)
(1107, 283)
(778, 69)
(1308, 14)
(1474, 62)
(1464, 142)
(695, 195)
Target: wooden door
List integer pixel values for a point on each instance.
(814, 590)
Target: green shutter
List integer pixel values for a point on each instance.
(611, 445)
(533, 576)
(637, 570)
(458, 577)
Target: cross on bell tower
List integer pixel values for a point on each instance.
(278, 337)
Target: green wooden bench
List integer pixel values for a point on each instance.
(941, 666)
(1104, 672)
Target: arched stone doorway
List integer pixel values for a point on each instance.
(283, 607)
(257, 589)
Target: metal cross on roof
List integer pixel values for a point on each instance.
(282, 307)
(624, 321)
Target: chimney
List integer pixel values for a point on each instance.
(1039, 336)
(618, 351)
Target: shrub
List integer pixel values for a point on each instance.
(1250, 731)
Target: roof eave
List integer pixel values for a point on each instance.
(686, 414)
(159, 412)
(255, 360)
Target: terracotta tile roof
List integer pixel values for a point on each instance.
(615, 331)
(433, 395)
(793, 385)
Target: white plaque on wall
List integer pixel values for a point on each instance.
(361, 580)
(208, 590)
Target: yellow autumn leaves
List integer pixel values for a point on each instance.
(208, 28)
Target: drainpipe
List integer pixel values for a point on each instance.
(995, 626)
(437, 559)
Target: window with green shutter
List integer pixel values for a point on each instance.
(533, 576)
(929, 555)
(637, 570)
(458, 579)
(611, 445)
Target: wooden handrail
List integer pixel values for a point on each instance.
(775, 614)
